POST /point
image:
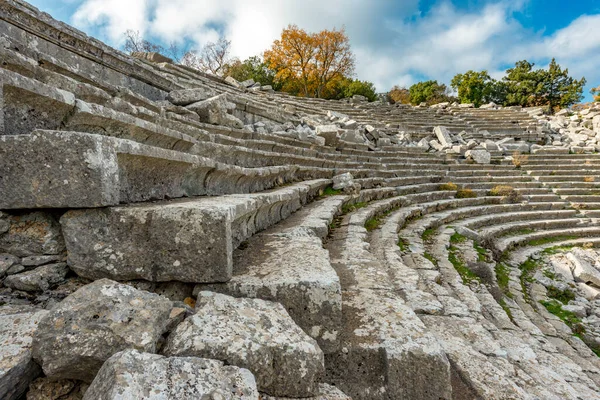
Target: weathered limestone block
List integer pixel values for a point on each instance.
(132, 375)
(294, 271)
(582, 269)
(39, 279)
(479, 156)
(343, 181)
(184, 240)
(37, 176)
(89, 326)
(151, 56)
(186, 97)
(106, 171)
(17, 368)
(329, 132)
(181, 241)
(215, 111)
(28, 104)
(253, 334)
(31, 234)
(443, 135)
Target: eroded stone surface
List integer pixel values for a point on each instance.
(92, 324)
(132, 375)
(17, 368)
(254, 334)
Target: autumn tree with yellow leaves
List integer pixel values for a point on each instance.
(311, 64)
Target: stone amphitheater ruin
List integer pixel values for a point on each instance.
(166, 234)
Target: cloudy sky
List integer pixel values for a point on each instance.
(395, 41)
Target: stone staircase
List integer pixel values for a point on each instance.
(147, 254)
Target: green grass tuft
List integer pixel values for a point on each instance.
(528, 268)
(465, 273)
(569, 318)
(431, 258)
(403, 244)
(482, 254)
(545, 240)
(428, 234)
(348, 208)
(564, 296)
(502, 277)
(457, 238)
(330, 191)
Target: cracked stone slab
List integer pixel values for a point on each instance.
(254, 334)
(98, 320)
(294, 271)
(132, 375)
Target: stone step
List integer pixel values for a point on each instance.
(159, 241)
(381, 339)
(509, 243)
(254, 334)
(506, 229)
(104, 171)
(287, 264)
(506, 216)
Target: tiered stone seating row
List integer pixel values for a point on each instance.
(298, 293)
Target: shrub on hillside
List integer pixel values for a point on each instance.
(448, 186)
(465, 193)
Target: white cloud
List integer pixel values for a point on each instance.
(113, 17)
(394, 43)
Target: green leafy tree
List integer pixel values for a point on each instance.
(363, 88)
(554, 88)
(561, 90)
(430, 92)
(252, 68)
(474, 87)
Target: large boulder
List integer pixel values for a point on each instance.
(95, 322)
(17, 368)
(130, 375)
(186, 97)
(254, 334)
(215, 110)
(479, 156)
(443, 135)
(583, 267)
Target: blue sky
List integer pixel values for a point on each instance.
(395, 41)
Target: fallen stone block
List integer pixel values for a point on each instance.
(215, 110)
(253, 334)
(89, 326)
(186, 97)
(443, 135)
(131, 374)
(17, 368)
(479, 156)
(39, 279)
(583, 269)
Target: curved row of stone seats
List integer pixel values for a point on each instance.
(158, 242)
(77, 115)
(428, 306)
(473, 371)
(105, 171)
(382, 340)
